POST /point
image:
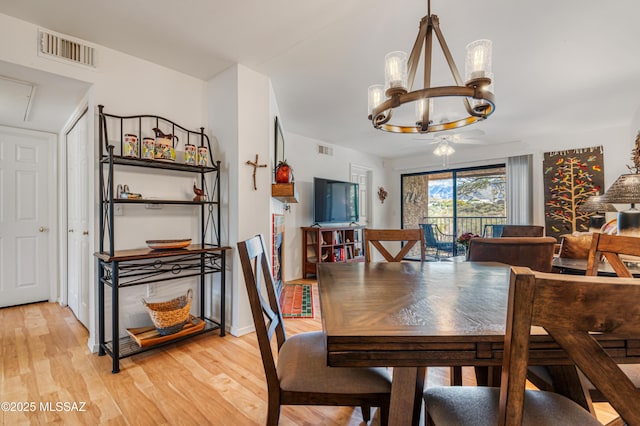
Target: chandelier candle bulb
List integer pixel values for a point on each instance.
(478, 60)
(376, 96)
(396, 70)
(420, 105)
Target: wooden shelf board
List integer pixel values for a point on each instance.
(285, 192)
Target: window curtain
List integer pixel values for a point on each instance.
(519, 190)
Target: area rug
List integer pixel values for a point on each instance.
(296, 301)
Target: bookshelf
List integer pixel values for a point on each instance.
(330, 244)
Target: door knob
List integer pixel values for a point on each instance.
(85, 232)
(43, 229)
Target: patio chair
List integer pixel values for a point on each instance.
(437, 241)
(410, 236)
(492, 230)
(569, 309)
(301, 375)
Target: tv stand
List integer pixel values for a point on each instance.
(330, 244)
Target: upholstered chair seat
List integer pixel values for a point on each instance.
(302, 367)
(479, 406)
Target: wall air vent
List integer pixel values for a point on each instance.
(325, 150)
(65, 48)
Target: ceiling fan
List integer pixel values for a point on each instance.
(446, 140)
(465, 137)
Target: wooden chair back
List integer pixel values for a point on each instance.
(267, 316)
(569, 308)
(522, 231)
(533, 252)
(409, 236)
(611, 247)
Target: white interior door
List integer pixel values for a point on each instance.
(27, 218)
(361, 176)
(78, 221)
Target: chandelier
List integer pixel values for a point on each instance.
(475, 94)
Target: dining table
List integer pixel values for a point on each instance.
(570, 266)
(410, 315)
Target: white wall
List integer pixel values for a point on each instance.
(302, 154)
(617, 144)
(125, 85)
(240, 104)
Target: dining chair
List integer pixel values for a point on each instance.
(437, 240)
(300, 376)
(613, 248)
(533, 252)
(410, 237)
(522, 231)
(569, 308)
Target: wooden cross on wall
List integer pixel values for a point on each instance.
(255, 167)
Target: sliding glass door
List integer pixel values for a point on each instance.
(455, 201)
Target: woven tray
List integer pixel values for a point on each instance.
(148, 336)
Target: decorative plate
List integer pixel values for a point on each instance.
(168, 244)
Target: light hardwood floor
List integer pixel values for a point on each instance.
(205, 380)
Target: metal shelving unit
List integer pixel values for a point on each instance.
(119, 269)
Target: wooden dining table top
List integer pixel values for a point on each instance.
(411, 315)
(426, 314)
(407, 298)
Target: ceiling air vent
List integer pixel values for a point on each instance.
(65, 48)
(325, 150)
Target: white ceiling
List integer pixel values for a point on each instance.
(559, 65)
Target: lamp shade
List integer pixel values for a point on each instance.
(444, 148)
(625, 190)
(596, 205)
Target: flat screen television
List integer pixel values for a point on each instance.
(334, 201)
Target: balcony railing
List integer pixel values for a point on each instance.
(461, 225)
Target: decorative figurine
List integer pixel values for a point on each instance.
(382, 194)
(200, 195)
